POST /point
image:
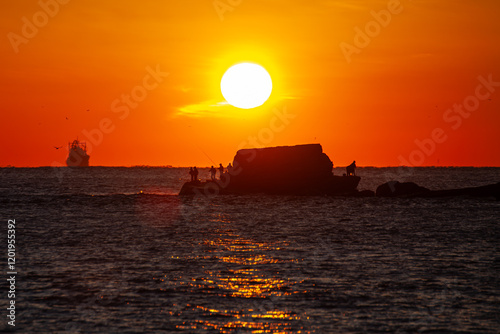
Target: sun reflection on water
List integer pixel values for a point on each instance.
(250, 286)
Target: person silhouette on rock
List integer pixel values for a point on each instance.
(351, 169)
(195, 173)
(213, 172)
(221, 171)
(191, 172)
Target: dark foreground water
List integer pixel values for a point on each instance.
(114, 250)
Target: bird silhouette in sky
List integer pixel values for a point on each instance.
(57, 147)
(67, 118)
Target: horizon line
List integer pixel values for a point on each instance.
(171, 166)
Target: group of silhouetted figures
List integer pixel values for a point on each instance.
(193, 171)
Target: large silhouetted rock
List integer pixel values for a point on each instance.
(286, 170)
(395, 188)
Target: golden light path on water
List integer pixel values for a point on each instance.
(248, 283)
(240, 275)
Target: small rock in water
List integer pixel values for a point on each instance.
(395, 188)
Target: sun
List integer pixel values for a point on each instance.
(246, 85)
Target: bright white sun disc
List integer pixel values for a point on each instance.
(246, 85)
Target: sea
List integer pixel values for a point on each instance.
(116, 250)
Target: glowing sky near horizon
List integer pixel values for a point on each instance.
(379, 82)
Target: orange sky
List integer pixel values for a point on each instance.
(79, 59)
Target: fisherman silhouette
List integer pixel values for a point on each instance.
(351, 169)
(213, 172)
(221, 170)
(191, 172)
(195, 173)
(229, 168)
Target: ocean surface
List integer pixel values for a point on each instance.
(115, 250)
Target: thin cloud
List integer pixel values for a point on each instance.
(214, 108)
(211, 108)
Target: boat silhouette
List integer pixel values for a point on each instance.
(77, 156)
